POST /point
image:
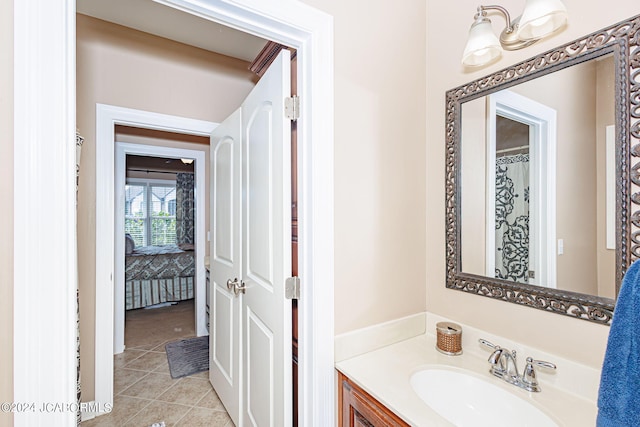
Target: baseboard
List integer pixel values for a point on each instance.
(355, 343)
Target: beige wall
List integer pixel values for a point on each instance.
(126, 68)
(444, 71)
(473, 178)
(362, 72)
(576, 202)
(6, 214)
(605, 116)
(379, 160)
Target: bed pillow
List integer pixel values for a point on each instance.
(129, 244)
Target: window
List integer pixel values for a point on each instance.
(150, 212)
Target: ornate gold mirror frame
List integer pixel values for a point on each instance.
(623, 40)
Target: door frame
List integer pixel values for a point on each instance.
(110, 157)
(541, 120)
(122, 150)
(44, 111)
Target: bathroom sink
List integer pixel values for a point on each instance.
(467, 400)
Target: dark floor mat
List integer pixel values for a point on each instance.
(188, 356)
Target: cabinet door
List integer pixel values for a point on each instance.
(359, 409)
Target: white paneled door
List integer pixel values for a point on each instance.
(225, 357)
(253, 322)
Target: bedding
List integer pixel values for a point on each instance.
(157, 274)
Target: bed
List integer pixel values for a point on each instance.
(158, 274)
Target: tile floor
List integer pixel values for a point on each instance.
(144, 392)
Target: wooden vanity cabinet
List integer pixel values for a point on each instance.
(357, 408)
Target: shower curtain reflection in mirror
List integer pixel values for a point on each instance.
(512, 214)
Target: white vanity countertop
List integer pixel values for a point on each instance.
(385, 374)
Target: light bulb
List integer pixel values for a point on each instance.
(541, 18)
(483, 45)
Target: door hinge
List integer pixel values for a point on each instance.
(292, 288)
(292, 107)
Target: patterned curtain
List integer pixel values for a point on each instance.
(185, 208)
(79, 141)
(512, 217)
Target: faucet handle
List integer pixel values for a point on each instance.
(529, 378)
(542, 363)
(488, 344)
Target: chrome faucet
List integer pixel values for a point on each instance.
(503, 365)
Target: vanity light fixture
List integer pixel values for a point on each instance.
(187, 161)
(539, 19)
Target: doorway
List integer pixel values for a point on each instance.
(123, 150)
(294, 24)
(521, 182)
(110, 245)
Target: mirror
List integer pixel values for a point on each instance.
(540, 170)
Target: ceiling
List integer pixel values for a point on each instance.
(170, 23)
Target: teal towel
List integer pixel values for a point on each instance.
(619, 395)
